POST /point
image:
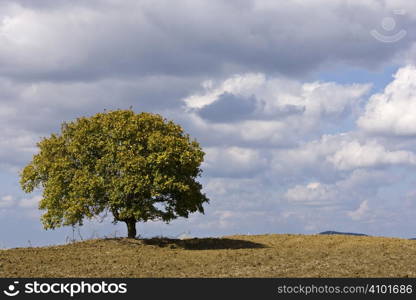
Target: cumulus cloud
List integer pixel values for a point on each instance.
(246, 133)
(329, 154)
(393, 112)
(253, 108)
(309, 157)
(275, 95)
(241, 85)
(352, 155)
(313, 193)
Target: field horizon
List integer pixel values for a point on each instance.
(271, 255)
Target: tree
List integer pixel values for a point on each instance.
(138, 167)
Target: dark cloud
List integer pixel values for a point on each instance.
(80, 41)
(229, 108)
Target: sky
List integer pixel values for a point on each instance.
(306, 110)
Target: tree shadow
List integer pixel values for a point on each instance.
(203, 243)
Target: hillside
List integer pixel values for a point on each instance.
(233, 256)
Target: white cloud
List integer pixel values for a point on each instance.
(331, 98)
(243, 85)
(274, 93)
(233, 161)
(352, 155)
(285, 111)
(6, 201)
(310, 155)
(32, 202)
(393, 112)
(360, 212)
(345, 151)
(341, 193)
(314, 193)
(219, 187)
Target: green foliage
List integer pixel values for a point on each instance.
(138, 167)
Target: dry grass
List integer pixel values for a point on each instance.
(235, 256)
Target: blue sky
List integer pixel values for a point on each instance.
(307, 118)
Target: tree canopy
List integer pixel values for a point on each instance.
(138, 167)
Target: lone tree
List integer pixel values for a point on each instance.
(138, 167)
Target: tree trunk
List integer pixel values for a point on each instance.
(131, 228)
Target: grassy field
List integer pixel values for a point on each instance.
(233, 256)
